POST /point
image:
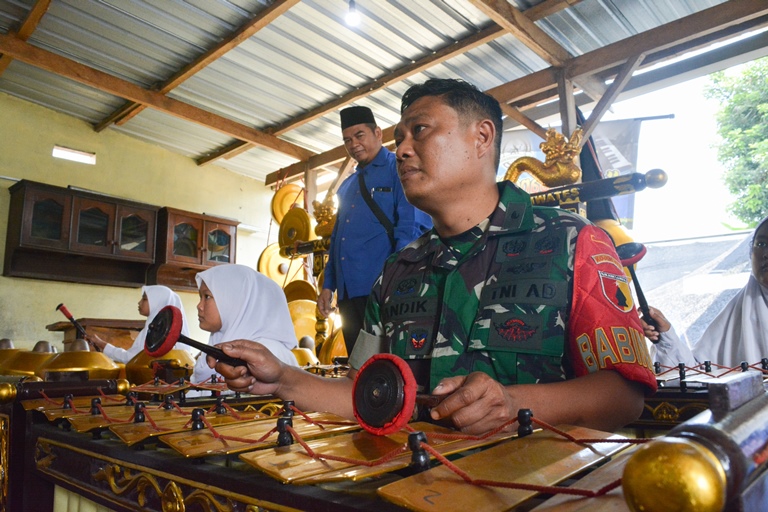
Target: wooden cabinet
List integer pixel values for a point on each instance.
(67, 234)
(114, 229)
(44, 212)
(188, 243)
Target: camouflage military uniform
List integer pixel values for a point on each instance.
(498, 299)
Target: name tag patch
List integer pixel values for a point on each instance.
(526, 291)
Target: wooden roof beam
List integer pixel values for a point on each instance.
(457, 48)
(726, 14)
(27, 27)
(99, 80)
(548, 7)
(613, 92)
(542, 10)
(332, 156)
(658, 44)
(264, 18)
(543, 93)
(520, 26)
(524, 120)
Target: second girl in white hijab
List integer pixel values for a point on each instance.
(153, 299)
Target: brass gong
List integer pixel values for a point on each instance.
(303, 317)
(300, 290)
(78, 359)
(284, 199)
(139, 369)
(332, 347)
(297, 226)
(280, 269)
(25, 362)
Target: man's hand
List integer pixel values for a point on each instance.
(324, 302)
(260, 377)
(649, 330)
(475, 403)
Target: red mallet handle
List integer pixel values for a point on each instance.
(65, 311)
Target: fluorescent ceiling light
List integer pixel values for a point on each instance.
(74, 155)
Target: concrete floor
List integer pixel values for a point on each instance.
(692, 280)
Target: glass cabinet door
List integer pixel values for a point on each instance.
(136, 233)
(49, 218)
(186, 233)
(93, 226)
(219, 245)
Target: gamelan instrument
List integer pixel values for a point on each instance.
(712, 462)
(165, 331)
(239, 452)
(600, 189)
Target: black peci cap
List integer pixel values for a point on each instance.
(356, 115)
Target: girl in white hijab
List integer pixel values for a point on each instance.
(153, 299)
(739, 333)
(237, 302)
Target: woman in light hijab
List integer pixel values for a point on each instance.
(153, 299)
(740, 332)
(237, 302)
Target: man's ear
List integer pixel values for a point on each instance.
(485, 136)
(377, 133)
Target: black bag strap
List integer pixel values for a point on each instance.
(376, 209)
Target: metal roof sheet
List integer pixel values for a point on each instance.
(304, 59)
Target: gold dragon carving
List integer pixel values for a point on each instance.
(559, 167)
(325, 216)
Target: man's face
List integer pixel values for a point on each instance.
(759, 255)
(362, 143)
(435, 153)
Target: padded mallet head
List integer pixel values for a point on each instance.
(163, 332)
(384, 394)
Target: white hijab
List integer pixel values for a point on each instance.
(740, 332)
(252, 307)
(158, 297)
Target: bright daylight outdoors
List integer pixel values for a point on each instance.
(698, 255)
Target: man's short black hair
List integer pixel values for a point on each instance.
(466, 99)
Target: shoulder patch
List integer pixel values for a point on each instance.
(614, 282)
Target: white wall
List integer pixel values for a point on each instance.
(126, 168)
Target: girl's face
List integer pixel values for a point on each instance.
(759, 255)
(207, 312)
(144, 305)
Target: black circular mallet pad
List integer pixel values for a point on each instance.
(165, 331)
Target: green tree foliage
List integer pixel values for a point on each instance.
(743, 126)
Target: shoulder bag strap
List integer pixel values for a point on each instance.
(376, 209)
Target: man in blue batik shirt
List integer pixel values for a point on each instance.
(360, 242)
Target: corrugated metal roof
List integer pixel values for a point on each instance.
(306, 58)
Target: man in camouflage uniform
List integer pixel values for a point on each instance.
(501, 306)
